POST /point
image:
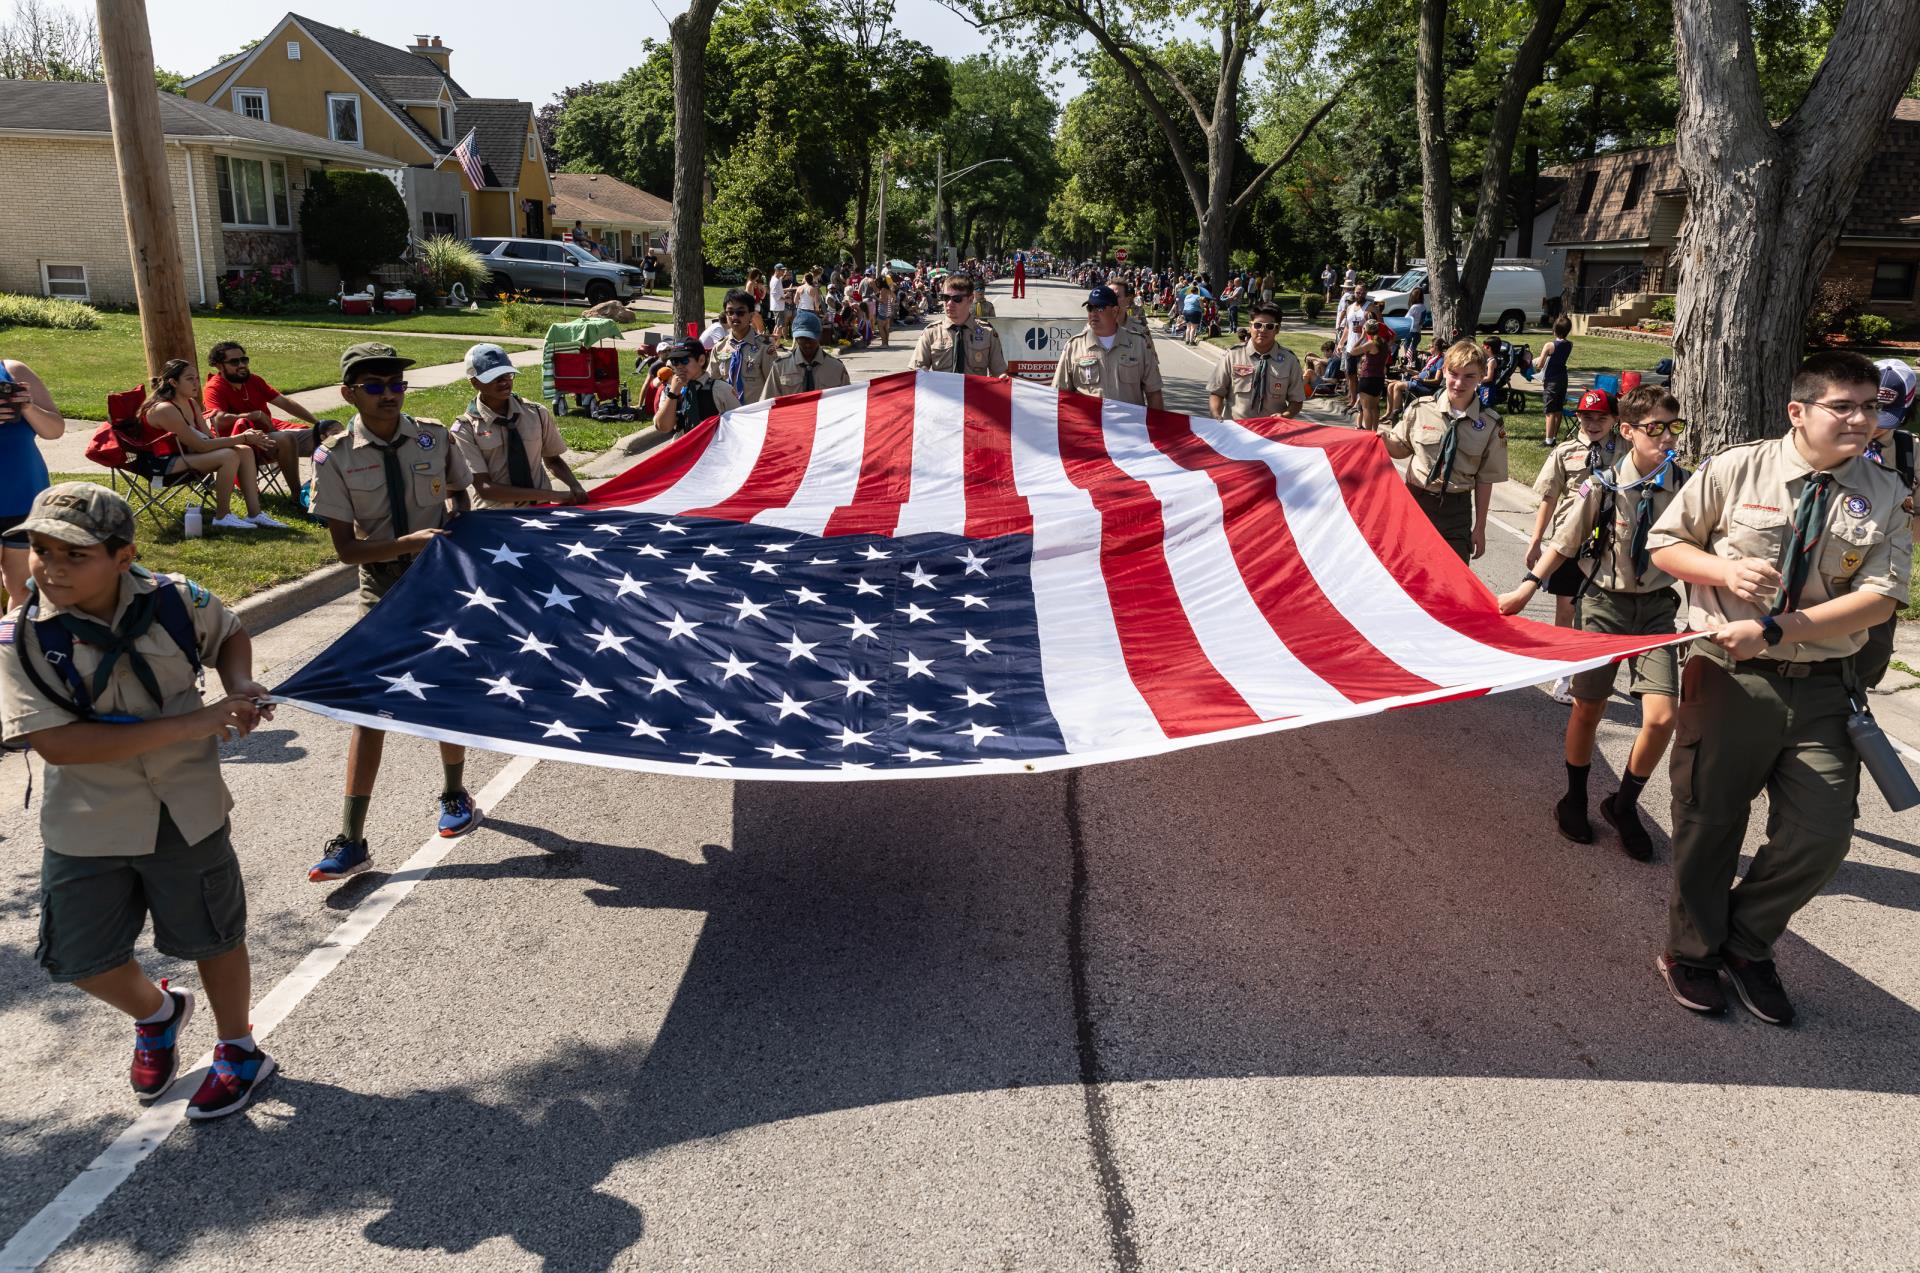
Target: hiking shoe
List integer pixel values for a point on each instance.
(1757, 982)
(156, 1052)
(1692, 987)
(458, 814)
(235, 1075)
(344, 857)
(1562, 691)
(1634, 840)
(1570, 815)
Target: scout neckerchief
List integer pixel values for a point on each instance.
(519, 468)
(1449, 450)
(809, 369)
(736, 368)
(396, 483)
(117, 641)
(1809, 525)
(1665, 476)
(1260, 364)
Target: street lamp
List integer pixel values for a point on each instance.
(940, 180)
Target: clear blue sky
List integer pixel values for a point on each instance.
(500, 49)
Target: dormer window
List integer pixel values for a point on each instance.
(446, 124)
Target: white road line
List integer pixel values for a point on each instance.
(41, 1236)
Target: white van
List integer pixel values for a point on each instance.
(1516, 296)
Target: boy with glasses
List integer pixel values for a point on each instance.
(742, 355)
(1604, 533)
(955, 340)
(1260, 376)
(1791, 548)
(386, 489)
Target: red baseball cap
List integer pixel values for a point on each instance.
(1596, 400)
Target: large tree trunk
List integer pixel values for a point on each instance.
(689, 36)
(1765, 204)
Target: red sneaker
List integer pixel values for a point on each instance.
(156, 1054)
(230, 1082)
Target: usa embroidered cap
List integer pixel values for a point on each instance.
(487, 363)
(79, 513)
(370, 356)
(1897, 387)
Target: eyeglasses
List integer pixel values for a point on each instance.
(1844, 410)
(376, 388)
(736, 312)
(1661, 428)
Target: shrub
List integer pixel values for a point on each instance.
(353, 220)
(445, 260)
(257, 291)
(1312, 304)
(45, 311)
(1869, 329)
(1834, 305)
(518, 318)
(1662, 309)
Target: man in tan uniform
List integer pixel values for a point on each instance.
(1259, 377)
(1457, 452)
(386, 489)
(741, 357)
(1791, 549)
(1106, 361)
(805, 366)
(511, 445)
(956, 340)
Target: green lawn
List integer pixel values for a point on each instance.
(448, 401)
(81, 368)
(491, 319)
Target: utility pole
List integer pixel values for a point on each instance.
(146, 194)
(940, 179)
(880, 232)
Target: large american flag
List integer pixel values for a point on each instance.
(470, 160)
(931, 574)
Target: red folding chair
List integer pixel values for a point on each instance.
(141, 462)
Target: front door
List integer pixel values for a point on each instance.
(536, 218)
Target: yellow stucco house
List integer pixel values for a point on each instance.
(402, 102)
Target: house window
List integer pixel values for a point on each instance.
(252, 102)
(293, 50)
(68, 282)
(437, 223)
(253, 192)
(533, 148)
(1636, 186)
(1587, 184)
(446, 124)
(343, 117)
(1893, 280)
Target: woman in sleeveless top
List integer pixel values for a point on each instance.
(173, 405)
(27, 414)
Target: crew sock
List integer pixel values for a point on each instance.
(456, 778)
(353, 817)
(1630, 789)
(1577, 781)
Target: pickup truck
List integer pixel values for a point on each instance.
(548, 268)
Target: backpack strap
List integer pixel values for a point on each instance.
(56, 647)
(1903, 456)
(172, 614)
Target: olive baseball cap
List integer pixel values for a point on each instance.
(370, 356)
(79, 513)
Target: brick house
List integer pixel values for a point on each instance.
(236, 186)
(626, 219)
(399, 101)
(1620, 217)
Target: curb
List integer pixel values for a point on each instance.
(284, 601)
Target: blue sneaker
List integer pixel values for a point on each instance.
(156, 1051)
(458, 814)
(231, 1081)
(344, 857)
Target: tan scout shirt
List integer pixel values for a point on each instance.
(480, 437)
(108, 810)
(350, 484)
(1126, 373)
(756, 354)
(1565, 469)
(971, 347)
(1479, 456)
(1741, 503)
(1137, 322)
(1590, 502)
(788, 373)
(1238, 375)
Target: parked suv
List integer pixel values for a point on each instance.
(556, 269)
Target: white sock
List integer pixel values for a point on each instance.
(244, 1042)
(167, 1008)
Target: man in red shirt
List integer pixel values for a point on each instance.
(236, 401)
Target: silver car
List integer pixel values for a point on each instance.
(548, 268)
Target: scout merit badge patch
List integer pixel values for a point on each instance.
(424, 441)
(1850, 560)
(1859, 505)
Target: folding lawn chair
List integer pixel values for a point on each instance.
(139, 460)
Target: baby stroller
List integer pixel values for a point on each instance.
(579, 359)
(1498, 391)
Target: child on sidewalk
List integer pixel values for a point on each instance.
(1567, 466)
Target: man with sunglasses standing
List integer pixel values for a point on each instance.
(1259, 377)
(1106, 360)
(956, 340)
(742, 355)
(386, 489)
(1791, 548)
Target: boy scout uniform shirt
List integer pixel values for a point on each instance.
(1564, 470)
(755, 354)
(788, 373)
(112, 809)
(1126, 373)
(1591, 502)
(1741, 504)
(1480, 453)
(480, 437)
(350, 484)
(1137, 322)
(1248, 394)
(972, 348)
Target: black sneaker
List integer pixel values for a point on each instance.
(1692, 987)
(1571, 817)
(1757, 982)
(1634, 840)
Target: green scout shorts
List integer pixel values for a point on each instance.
(377, 578)
(93, 908)
(1631, 614)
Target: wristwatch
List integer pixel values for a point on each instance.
(1770, 631)
(1531, 578)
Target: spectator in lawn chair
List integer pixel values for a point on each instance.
(237, 402)
(173, 404)
(511, 445)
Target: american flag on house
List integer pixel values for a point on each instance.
(931, 574)
(470, 160)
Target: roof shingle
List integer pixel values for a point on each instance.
(594, 196)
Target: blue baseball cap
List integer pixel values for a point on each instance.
(1100, 297)
(487, 363)
(806, 323)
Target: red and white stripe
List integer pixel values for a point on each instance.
(470, 160)
(1194, 578)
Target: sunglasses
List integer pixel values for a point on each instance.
(678, 362)
(377, 388)
(1265, 327)
(1661, 428)
(237, 362)
(953, 298)
(738, 313)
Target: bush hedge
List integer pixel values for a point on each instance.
(45, 311)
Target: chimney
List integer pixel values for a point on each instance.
(430, 48)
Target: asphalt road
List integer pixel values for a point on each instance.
(1333, 998)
